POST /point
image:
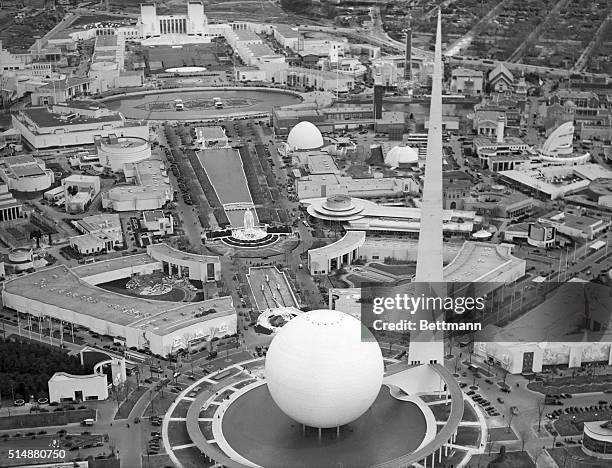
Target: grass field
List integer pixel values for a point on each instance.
(225, 172)
(190, 55)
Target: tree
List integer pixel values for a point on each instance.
(36, 234)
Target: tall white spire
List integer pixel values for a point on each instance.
(427, 346)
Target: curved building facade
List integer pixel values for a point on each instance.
(560, 143)
(115, 151)
(323, 260)
(597, 439)
(26, 174)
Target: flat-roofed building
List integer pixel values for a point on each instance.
(25, 173)
(158, 223)
(197, 267)
(101, 233)
(64, 387)
(161, 327)
(554, 332)
(325, 185)
(148, 189)
(466, 81)
(286, 35)
(71, 126)
(79, 191)
(114, 151)
(575, 225)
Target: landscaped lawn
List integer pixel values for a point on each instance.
(510, 460)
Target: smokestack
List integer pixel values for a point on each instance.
(408, 58)
(379, 92)
(501, 122)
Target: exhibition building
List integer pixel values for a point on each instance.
(72, 295)
(72, 124)
(25, 173)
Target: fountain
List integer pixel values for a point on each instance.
(249, 231)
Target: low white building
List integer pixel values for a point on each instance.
(467, 82)
(25, 173)
(157, 223)
(79, 191)
(101, 233)
(553, 333)
(149, 188)
(72, 124)
(64, 387)
(161, 327)
(114, 152)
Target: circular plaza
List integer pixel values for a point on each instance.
(388, 430)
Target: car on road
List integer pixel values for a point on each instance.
(514, 410)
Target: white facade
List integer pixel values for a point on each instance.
(157, 223)
(69, 387)
(79, 191)
(560, 143)
(197, 267)
(44, 129)
(151, 189)
(25, 173)
(163, 327)
(114, 152)
(173, 28)
(331, 257)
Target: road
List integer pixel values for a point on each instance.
(464, 41)
(583, 60)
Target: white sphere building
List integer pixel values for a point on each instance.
(321, 372)
(115, 151)
(305, 136)
(402, 156)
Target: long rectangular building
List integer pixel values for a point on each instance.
(162, 327)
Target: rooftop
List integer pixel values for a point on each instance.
(166, 250)
(42, 117)
(246, 35)
(261, 50)
(478, 261)
(150, 216)
(62, 288)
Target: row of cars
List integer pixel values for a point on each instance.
(602, 405)
(153, 448)
(486, 405)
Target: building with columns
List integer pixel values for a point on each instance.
(10, 208)
(330, 257)
(202, 268)
(193, 25)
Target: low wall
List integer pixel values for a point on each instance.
(46, 419)
(116, 97)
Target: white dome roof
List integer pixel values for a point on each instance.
(401, 155)
(319, 370)
(304, 136)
